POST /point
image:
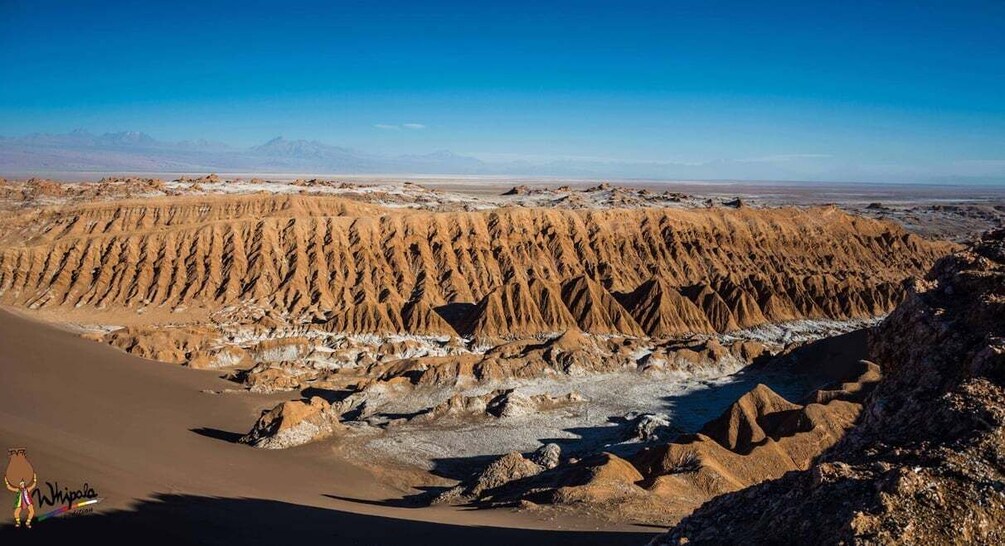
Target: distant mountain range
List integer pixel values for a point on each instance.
(80, 150)
(132, 151)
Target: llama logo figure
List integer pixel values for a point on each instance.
(21, 480)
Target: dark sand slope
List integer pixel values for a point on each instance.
(131, 429)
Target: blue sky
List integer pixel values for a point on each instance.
(823, 89)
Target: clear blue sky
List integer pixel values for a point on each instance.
(888, 87)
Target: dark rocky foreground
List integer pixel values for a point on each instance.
(926, 464)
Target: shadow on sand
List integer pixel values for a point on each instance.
(217, 434)
(186, 519)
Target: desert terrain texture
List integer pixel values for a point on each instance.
(365, 360)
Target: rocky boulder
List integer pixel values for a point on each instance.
(294, 423)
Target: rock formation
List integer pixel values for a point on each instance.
(759, 437)
(595, 310)
(663, 312)
(503, 403)
(367, 269)
(293, 423)
(924, 465)
(502, 472)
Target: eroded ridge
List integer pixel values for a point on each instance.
(361, 268)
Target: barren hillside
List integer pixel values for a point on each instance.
(924, 463)
(364, 268)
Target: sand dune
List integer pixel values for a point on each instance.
(135, 429)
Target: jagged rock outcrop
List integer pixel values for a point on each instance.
(269, 379)
(924, 465)
(512, 403)
(522, 189)
(294, 423)
(280, 349)
(228, 356)
(501, 473)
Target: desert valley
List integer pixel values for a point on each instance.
(562, 273)
(568, 362)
